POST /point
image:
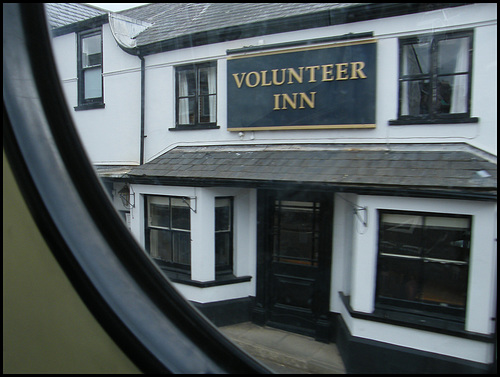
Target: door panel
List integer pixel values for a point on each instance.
(298, 262)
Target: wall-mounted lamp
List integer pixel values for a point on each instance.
(125, 196)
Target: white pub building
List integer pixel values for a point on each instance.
(327, 169)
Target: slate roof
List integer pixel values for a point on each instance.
(62, 14)
(172, 20)
(344, 165)
(181, 25)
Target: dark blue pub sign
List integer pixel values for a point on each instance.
(303, 88)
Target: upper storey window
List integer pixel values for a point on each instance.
(196, 95)
(435, 78)
(90, 85)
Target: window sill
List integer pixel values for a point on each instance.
(194, 128)
(219, 280)
(405, 122)
(89, 106)
(416, 321)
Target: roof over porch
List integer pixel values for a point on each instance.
(456, 169)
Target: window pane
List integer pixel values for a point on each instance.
(295, 233)
(401, 234)
(298, 217)
(452, 94)
(93, 83)
(160, 244)
(444, 94)
(222, 249)
(223, 232)
(186, 111)
(186, 83)
(159, 215)
(207, 109)
(445, 284)
(398, 278)
(453, 55)
(200, 85)
(447, 238)
(416, 59)
(295, 244)
(91, 51)
(207, 80)
(452, 223)
(423, 262)
(222, 214)
(415, 97)
(181, 216)
(181, 248)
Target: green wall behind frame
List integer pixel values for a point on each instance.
(46, 326)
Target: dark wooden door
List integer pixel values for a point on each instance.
(298, 263)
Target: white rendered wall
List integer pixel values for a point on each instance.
(112, 135)
(343, 228)
(481, 292)
(160, 86)
(427, 341)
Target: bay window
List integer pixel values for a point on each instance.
(423, 263)
(168, 232)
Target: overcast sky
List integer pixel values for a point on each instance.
(116, 7)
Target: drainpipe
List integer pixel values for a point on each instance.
(124, 30)
(143, 93)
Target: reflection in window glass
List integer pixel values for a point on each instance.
(224, 235)
(92, 79)
(434, 75)
(168, 236)
(91, 51)
(90, 67)
(196, 94)
(423, 261)
(416, 59)
(296, 232)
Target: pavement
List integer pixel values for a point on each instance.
(285, 352)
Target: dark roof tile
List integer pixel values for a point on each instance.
(332, 164)
(171, 20)
(62, 14)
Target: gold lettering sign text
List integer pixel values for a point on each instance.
(311, 74)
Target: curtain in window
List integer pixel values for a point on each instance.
(183, 102)
(212, 87)
(459, 93)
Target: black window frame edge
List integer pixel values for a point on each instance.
(416, 308)
(174, 269)
(196, 125)
(225, 272)
(107, 267)
(459, 118)
(92, 103)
